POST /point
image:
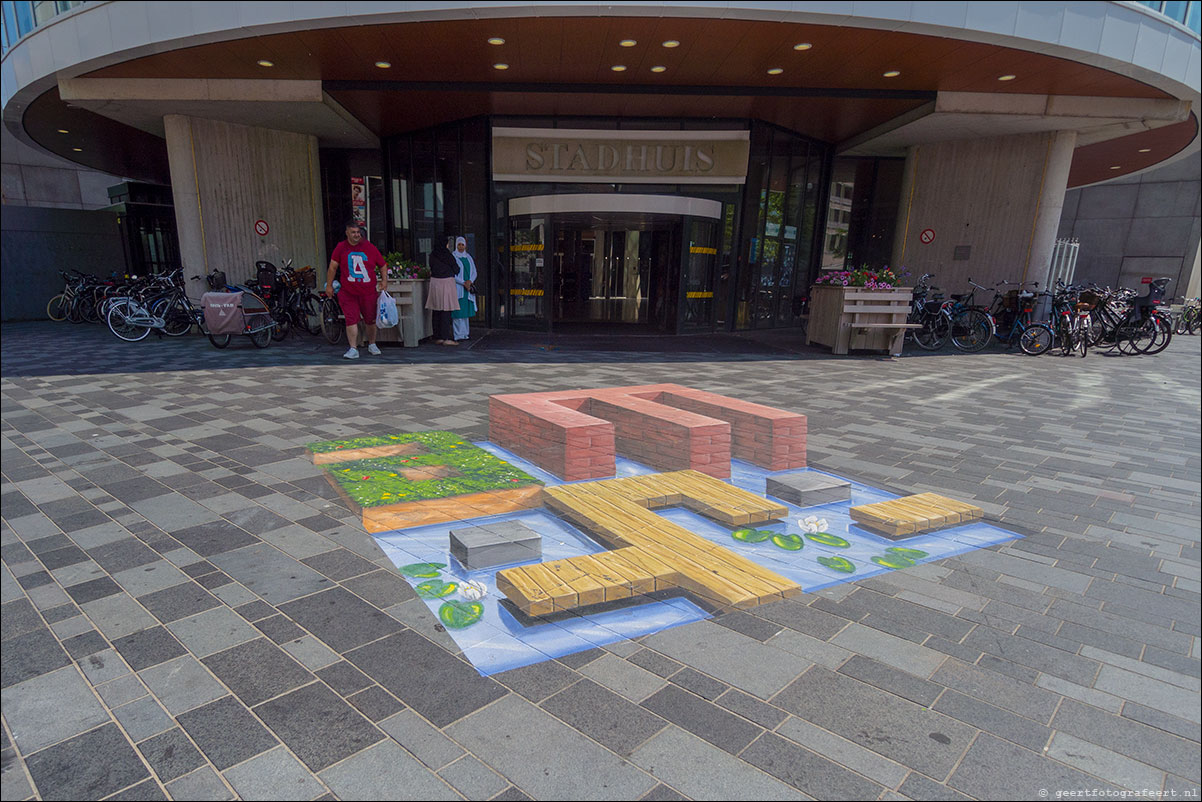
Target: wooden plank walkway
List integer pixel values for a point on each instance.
(648, 552)
(913, 515)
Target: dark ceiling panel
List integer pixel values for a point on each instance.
(1092, 163)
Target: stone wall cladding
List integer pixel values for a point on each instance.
(575, 434)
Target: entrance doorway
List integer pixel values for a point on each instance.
(628, 263)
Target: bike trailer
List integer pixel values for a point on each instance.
(234, 313)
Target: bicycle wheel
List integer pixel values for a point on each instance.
(283, 324)
(309, 314)
(262, 338)
(1081, 337)
(56, 308)
(177, 320)
(87, 310)
(933, 334)
(971, 331)
(1135, 337)
(332, 327)
(1035, 339)
(73, 311)
(1162, 334)
(220, 340)
(120, 323)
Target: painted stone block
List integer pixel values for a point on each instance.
(807, 489)
(477, 547)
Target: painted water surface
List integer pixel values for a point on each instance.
(814, 546)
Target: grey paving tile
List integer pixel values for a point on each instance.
(203, 784)
(84, 644)
(339, 564)
(918, 787)
(1162, 721)
(171, 754)
(182, 684)
(310, 652)
(142, 718)
(538, 680)
(863, 761)
(996, 769)
(118, 615)
(551, 760)
(809, 772)
(344, 678)
(212, 537)
(421, 739)
(889, 649)
(30, 655)
(619, 675)
(341, 620)
(381, 588)
(148, 648)
(212, 631)
(257, 670)
(654, 662)
(279, 628)
(49, 708)
(124, 689)
(90, 765)
(441, 687)
(890, 679)
(149, 578)
(604, 716)
(895, 728)
(698, 683)
(178, 601)
(318, 726)
(276, 577)
(702, 718)
(226, 732)
(273, 775)
(472, 778)
(702, 771)
(1146, 744)
(1122, 771)
(1150, 692)
(994, 720)
(377, 773)
(1011, 694)
(375, 703)
(122, 555)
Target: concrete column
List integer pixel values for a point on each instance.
(985, 209)
(225, 178)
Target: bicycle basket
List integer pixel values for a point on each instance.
(307, 277)
(1089, 299)
(216, 281)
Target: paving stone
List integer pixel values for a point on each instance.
(698, 683)
(148, 648)
(888, 649)
(604, 716)
(1101, 762)
(994, 768)
(149, 578)
(538, 680)
(178, 601)
(142, 718)
(1018, 697)
(88, 766)
(918, 787)
(30, 655)
(273, 775)
(725, 655)
(377, 773)
(226, 732)
(171, 754)
(749, 625)
(472, 778)
(703, 771)
(381, 588)
(49, 708)
(212, 631)
(122, 555)
(550, 760)
(276, 577)
(339, 564)
(310, 652)
(850, 755)
(375, 703)
(807, 771)
(318, 726)
(84, 644)
(341, 620)
(279, 628)
(620, 676)
(255, 610)
(439, 686)
(993, 720)
(182, 684)
(1137, 741)
(257, 670)
(654, 662)
(1150, 692)
(203, 784)
(213, 537)
(344, 678)
(889, 679)
(895, 728)
(124, 689)
(1162, 721)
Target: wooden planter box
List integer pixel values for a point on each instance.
(410, 295)
(847, 318)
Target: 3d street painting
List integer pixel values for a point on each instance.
(594, 516)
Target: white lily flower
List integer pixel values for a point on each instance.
(473, 590)
(812, 524)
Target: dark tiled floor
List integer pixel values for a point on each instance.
(1066, 660)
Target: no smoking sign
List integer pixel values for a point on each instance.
(261, 228)
(927, 236)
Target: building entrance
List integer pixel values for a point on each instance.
(632, 270)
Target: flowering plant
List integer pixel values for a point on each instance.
(402, 268)
(886, 278)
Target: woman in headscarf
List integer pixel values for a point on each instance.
(466, 281)
(443, 296)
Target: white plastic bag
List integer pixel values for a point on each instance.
(387, 315)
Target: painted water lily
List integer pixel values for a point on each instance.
(812, 524)
(473, 590)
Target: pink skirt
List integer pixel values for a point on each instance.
(443, 295)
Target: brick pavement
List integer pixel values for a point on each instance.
(189, 612)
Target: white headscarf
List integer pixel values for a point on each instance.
(467, 272)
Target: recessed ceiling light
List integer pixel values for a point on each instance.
(1116, 167)
(265, 63)
(802, 46)
(892, 73)
(1141, 150)
(659, 68)
(77, 150)
(1007, 77)
(671, 43)
(628, 43)
(383, 64)
(775, 71)
(496, 40)
(500, 66)
(618, 68)
(63, 131)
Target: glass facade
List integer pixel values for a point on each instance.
(861, 212)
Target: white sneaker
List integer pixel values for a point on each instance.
(373, 349)
(351, 353)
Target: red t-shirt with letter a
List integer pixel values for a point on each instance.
(356, 266)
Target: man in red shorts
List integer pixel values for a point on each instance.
(359, 268)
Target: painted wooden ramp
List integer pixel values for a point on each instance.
(648, 552)
(914, 515)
